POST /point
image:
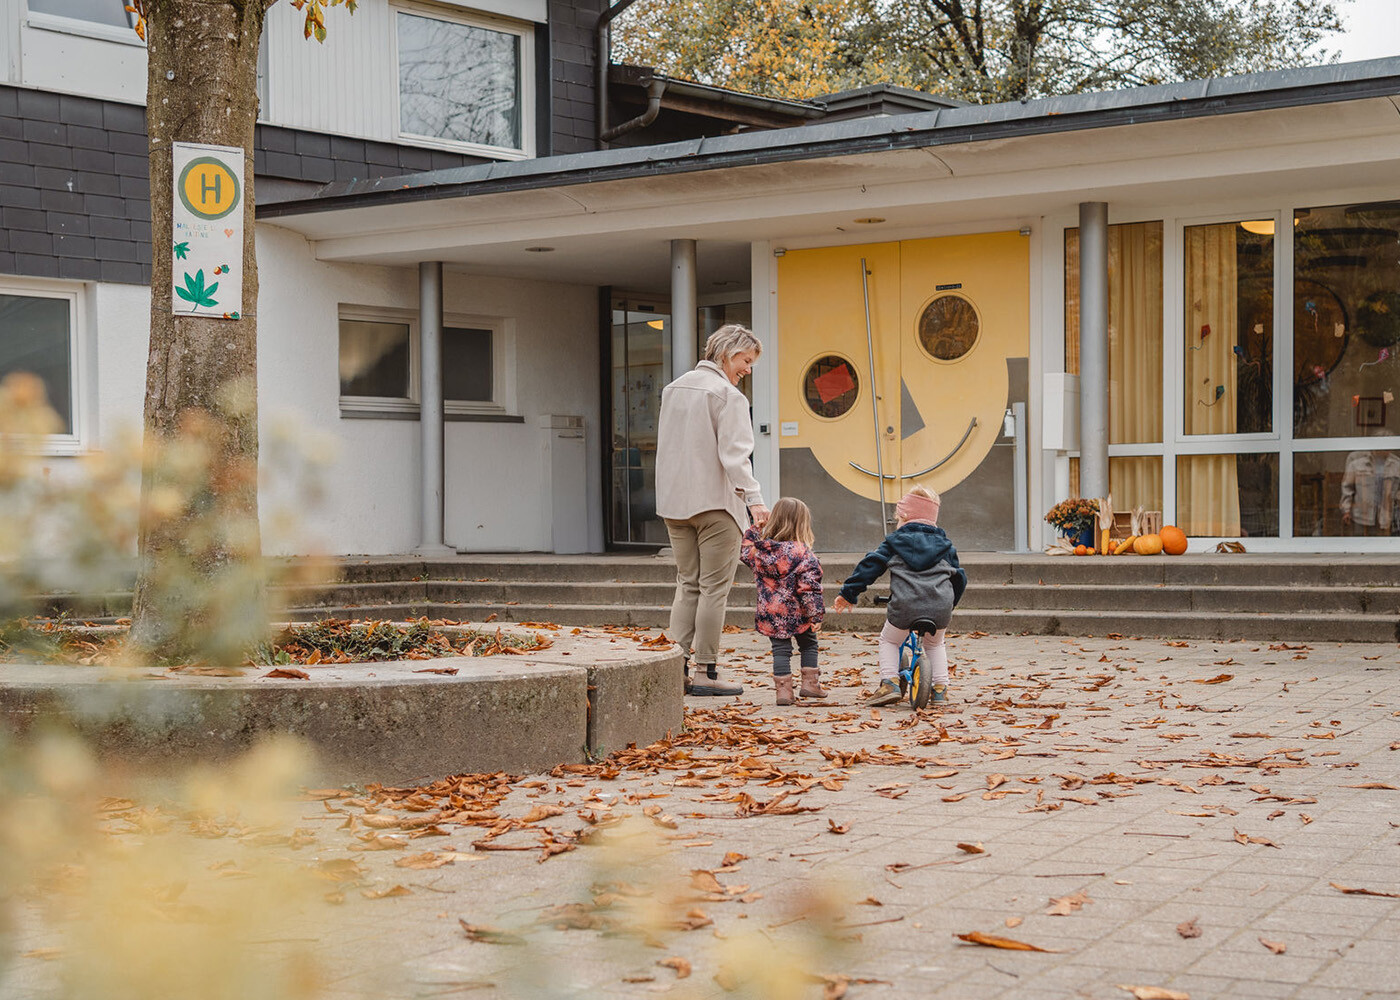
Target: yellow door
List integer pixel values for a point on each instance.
(945, 315)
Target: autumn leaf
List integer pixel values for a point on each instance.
(992, 941)
(1374, 784)
(1014, 921)
(1217, 679)
(1189, 928)
(1277, 947)
(397, 890)
(993, 780)
(705, 881)
(1243, 838)
(488, 935)
(680, 965)
(835, 827)
(1363, 892)
(426, 860)
(976, 848)
(1066, 905)
(289, 673)
(1154, 993)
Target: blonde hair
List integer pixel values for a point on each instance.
(729, 340)
(790, 520)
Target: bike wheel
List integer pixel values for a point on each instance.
(920, 681)
(904, 670)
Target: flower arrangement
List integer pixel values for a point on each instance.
(1072, 516)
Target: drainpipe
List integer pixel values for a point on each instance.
(432, 484)
(1093, 349)
(602, 58)
(654, 91)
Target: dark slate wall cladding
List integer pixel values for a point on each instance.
(572, 25)
(75, 188)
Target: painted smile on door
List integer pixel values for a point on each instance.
(927, 377)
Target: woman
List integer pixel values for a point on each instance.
(706, 493)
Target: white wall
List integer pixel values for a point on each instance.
(495, 472)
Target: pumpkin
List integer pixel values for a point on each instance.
(1148, 545)
(1173, 540)
(1080, 550)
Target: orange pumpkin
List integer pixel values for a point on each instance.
(1080, 550)
(1173, 540)
(1148, 545)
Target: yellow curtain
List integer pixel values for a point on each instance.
(1134, 481)
(1134, 328)
(1208, 495)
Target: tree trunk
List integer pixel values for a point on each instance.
(200, 588)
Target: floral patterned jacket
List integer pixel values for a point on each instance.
(789, 580)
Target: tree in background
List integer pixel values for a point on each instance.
(983, 51)
(199, 580)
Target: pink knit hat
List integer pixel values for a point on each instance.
(916, 507)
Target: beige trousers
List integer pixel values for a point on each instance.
(707, 554)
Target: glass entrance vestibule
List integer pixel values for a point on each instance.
(1254, 361)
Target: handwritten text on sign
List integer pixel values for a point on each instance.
(207, 254)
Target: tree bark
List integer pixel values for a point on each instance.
(199, 589)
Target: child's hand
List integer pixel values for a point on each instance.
(816, 627)
(842, 604)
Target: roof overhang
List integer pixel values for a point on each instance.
(609, 214)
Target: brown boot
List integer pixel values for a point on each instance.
(782, 684)
(812, 683)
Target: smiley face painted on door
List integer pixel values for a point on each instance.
(930, 380)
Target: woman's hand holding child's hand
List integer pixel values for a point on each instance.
(842, 604)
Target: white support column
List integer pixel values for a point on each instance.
(764, 295)
(683, 307)
(1093, 349)
(430, 415)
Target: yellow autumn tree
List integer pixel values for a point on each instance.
(773, 47)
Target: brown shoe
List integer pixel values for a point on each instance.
(782, 684)
(708, 684)
(811, 683)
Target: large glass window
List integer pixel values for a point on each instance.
(378, 366)
(460, 82)
(1228, 342)
(1346, 287)
(1355, 493)
(1227, 496)
(1134, 329)
(36, 336)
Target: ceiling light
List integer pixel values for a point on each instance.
(1259, 227)
(539, 249)
(871, 221)
(657, 324)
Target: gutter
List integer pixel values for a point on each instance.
(952, 126)
(602, 57)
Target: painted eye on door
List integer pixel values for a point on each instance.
(830, 386)
(948, 328)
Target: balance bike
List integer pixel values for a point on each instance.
(914, 672)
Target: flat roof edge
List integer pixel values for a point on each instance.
(948, 126)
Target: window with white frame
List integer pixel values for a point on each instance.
(464, 81)
(38, 335)
(109, 19)
(379, 365)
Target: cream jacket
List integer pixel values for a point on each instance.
(703, 446)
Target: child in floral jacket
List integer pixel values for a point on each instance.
(789, 581)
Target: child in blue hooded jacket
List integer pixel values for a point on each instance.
(925, 582)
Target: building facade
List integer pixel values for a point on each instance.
(1186, 295)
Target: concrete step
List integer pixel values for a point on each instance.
(1257, 626)
(1282, 570)
(1095, 596)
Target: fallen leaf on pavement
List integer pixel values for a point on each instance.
(1244, 838)
(976, 848)
(1013, 921)
(1154, 993)
(425, 861)
(1363, 892)
(1374, 784)
(1066, 905)
(680, 965)
(836, 827)
(993, 780)
(397, 890)
(488, 935)
(992, 941)
(1277, 947)
(1189, 928)
(1217, 679)
(288, 673)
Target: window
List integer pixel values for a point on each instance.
(379, 366)
(464, 83)
(107, 19)
(37, 336)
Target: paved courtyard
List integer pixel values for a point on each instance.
(1156, 818)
